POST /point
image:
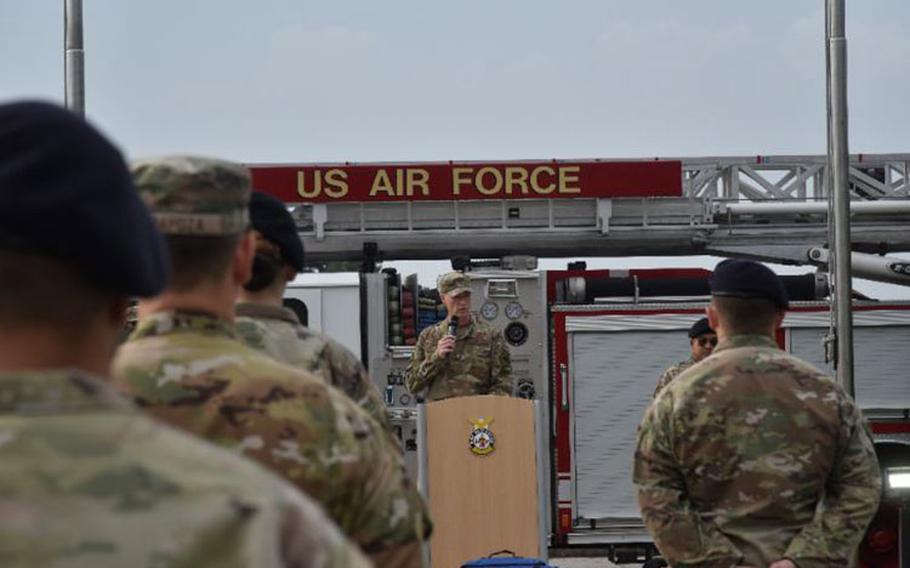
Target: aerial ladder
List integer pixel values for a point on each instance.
(770, 208)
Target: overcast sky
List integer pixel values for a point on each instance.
(293, 81)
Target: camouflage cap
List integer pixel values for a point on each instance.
(191, 195)
(454, 283)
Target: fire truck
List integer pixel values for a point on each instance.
(591, 344)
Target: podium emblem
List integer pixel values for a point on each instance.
(482, 441)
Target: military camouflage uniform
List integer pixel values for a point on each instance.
(752, 456)
(86, 480)
(278, 332)
(191, 371)
(671, 373)
(479, 364)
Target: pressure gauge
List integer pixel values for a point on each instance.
(489, 311)
(516, 334)
(514, 310)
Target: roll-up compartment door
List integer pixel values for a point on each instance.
(881, 362)
(610, 395)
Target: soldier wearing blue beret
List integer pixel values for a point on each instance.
(748, 280)
(753, 457)
(266, 324)
(86, 479)
(702, 341)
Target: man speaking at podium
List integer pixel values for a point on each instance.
(461, 355)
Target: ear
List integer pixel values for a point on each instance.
(242, 270)
(779, 319)
(117, 311)
(713, 319)
(289, 272)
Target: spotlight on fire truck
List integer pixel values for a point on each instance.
(897, 479)
(889, 532)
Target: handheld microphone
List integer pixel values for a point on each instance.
(453, 326)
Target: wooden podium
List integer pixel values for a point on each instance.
(481, 471)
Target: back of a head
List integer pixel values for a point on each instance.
(200, 204)
(747, 295)
(746, 316)
(73, 231)
(278, 244)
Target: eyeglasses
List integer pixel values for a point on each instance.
(705, 341)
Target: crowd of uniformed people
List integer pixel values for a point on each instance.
(258, 444)
(223, 432)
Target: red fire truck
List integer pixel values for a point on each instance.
(607, 353)
(590, 345)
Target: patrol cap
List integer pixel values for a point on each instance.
(192, 195)
(269, 216)
(454, 283)
(747, 279)
(700, 327)
(67, 193)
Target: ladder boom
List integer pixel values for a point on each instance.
(720, 204)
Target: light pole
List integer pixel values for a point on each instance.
(74, 57)
(839, 189)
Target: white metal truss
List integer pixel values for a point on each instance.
(709, 218)
(793, 178)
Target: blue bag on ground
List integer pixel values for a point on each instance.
(506, 561)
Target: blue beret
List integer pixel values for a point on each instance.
(700, 327)
(269, 216)
(747, 279)
(66, 192)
